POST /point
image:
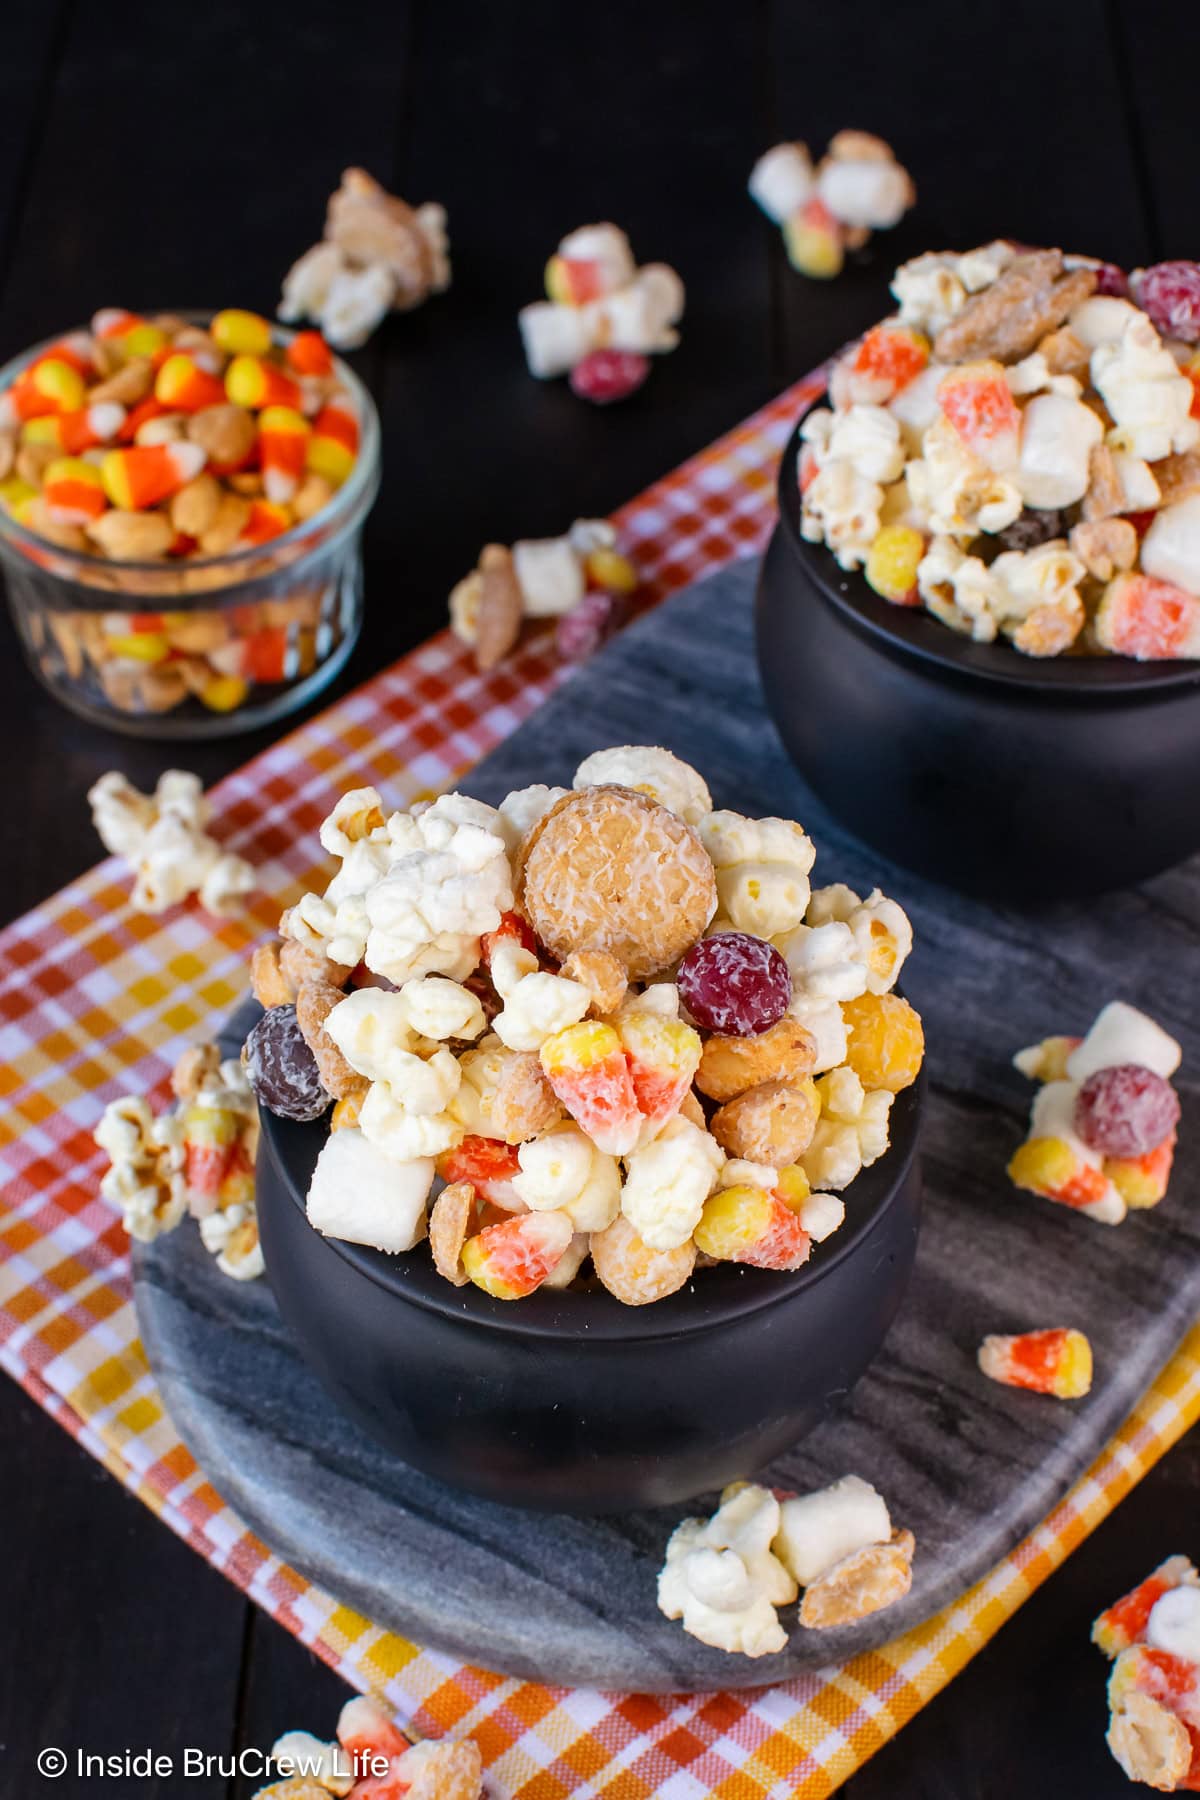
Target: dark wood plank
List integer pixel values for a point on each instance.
(286, 1688)
(1027, 1717)
(117, 1635)
(1160, 109)
(32, 42)
(983, 115)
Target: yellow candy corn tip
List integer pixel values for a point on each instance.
(1042, 1165)
(812, 251)
(474, 1262)
(611, 571)
(793, 1187)
(580, 1046)
(283, 418)
(1075, 1369)
(139, 646)
(225, 693)
(556, 282)
(71, 468)
(241, 333)
(732, 1220)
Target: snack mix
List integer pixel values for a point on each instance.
(152, 441)
(162, 837)
(371, 1759)
(857, 187)
(579, 579)
(198, 1158)
(725, 1577)
(615, 1023)
(1152, 1637)
(1102, 1129)
(378, 255)
(1017, 449)
(604, 317)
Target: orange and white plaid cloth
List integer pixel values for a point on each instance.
(96, 1001)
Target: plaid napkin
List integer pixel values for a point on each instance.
(96, 1001)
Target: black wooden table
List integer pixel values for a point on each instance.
(152, 163)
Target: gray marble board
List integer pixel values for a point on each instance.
(969, 1466)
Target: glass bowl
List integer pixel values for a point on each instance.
(197, 646)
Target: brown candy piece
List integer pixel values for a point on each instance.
(1008, 319)
(314, 1003)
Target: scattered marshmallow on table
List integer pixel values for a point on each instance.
(163, 838)
(857, 188)
(578, 577)
(604, 316)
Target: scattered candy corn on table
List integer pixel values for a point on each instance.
(97, 1000)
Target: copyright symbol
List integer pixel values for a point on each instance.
(52, 1763)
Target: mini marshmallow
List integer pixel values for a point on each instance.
(549, 572)
(359, 1194)
(554, 337)
(1058, 435)
(1171, 547)
(1174, 1623)
(1122, 1034)
(821, 1215)
(782, 181)
(818, 1530)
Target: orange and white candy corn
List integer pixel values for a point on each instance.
(144, 474)
(267, 519)
(308, 354)
(1055, 1162)
(251, 381)
(587, 1069)
(135, 335)
(1148, 619)
(283, 435)
(333, 446)
(49, 386)
(75, 432)
(1056, 1361)
(662, 1057)
(979, 403)
(511, 1259)
(751, 1224)
(73, 491)
(489, 1164)
(1142, 1181)
(1125, 1621)
(181, 385)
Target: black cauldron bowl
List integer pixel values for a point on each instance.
(572, 1402)
(1000, 775)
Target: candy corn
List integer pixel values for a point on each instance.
(489, 1164)
(752, 1225)
(587, 1069)
(181, 385)
(135, 335)
(308, 354)
(334, 443)
(813, 240)
(240, 333)
(979, 403)
(250, 381)
(73, 491)
(74, 432)
(662, 1056)
(892, 354)
(49, 386)
(509, 1260)
(1057, 1361)
(210, 1140)
(144, 474)
(1124, 1622)
(139, 415)
(283, 436)
(1151, 620)
(1154, 1729)
(1055, 1162)
(1142, 1181)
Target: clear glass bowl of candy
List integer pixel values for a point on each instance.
(181, 508)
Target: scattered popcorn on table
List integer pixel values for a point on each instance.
(579, 579)
(1152, 1636)
(197, 1158)
(1055, 1361)
(1017, 449)
(371, 1755)
(162, 837)
(378, 255)
(1102, 1130)
(543, 1007)
(858, 187)
(604, 317)
(724, 1577)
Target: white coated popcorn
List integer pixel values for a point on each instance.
(667, 1183)
(648, 769)
(357, 815)
(865, 193)
(1122, 1034)
(762, 868)
(521, 810)
(822, 1018)
(660, 997)
(355, 302)
(933, 289)
(852, 1132)
(642, 315)
(817, 1530)
(563, 1171)
(1058, 435)
(782, 181)
(880, 928)
(821, 1215)
(231, 1236)
(869, 437)
(146, 1178)
(958, 589)
(1171, 547)
(359, 1194)
(1032, 376)
(841, 508)
(607, 248)
(536, 1004)
(1148, 397)
(957, 491)
(825, 961)
(737, 1172)
(722, 1580)
(436, 1008)
(570, 1262)
(449, 883)
(163, 837)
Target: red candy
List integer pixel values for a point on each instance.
(513, 927)
(1126, 1110)
(607, 375)
(735, 984)
(1170, 293)
(589, 624)
(1111, 280)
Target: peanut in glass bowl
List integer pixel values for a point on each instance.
(286, 614)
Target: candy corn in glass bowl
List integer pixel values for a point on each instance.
(125, 615)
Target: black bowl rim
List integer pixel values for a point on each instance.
(722, 1294)
(916, 633)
